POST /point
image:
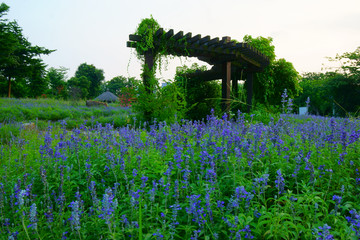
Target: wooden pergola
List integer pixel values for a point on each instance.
(228, 58)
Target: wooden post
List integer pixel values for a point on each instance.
(147, 75)
(148, 69)
(9, 87)
(225, 83)
(235, 86)
(249, 83)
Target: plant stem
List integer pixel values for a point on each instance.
(23, 223)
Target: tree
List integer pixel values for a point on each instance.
(56, 78)
(79, 87)
(37, 83)
(315, 86)
(116, 84)
(350, 64)
(337, 91)
(18, 58)
(277, 76)
(94, 75)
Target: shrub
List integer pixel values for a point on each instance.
(200, 96)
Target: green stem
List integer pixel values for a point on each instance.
(79, 234)
(23, 223)
(140, 221)
(38, 234)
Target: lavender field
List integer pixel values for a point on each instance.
(288, 179)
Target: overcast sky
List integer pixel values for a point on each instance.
(96, 31)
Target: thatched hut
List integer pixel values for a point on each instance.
(107, 97)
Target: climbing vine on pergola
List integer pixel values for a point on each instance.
(228, 58)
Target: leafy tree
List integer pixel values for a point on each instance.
(37, 82)
(277, 76)
(56, 78)
(18, 58)
(337, 91)
(94, 75)
(315, 87)
(79, 87)
(350, 64)
(117, 83)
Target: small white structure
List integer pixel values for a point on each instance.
(303, 110)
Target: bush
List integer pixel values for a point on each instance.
(163, 104)
(200, 96)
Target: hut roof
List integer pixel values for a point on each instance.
(107, 97)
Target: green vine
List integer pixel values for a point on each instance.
(155, 102)
(146, 30)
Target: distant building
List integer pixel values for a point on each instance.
(107, 97)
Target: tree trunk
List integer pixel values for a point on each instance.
(9, 87)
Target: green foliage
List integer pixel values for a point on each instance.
(286, 77)
(8, 133)
(79, 87)
(160, 103)
(335, 92)
(92, 74)
(44, 110)
(18, 58)
(276, 77)
(180, 180)
(263, 45)
(154, 102)
(350, 63)
(200, 96)
(127, 96)
(38, 83)
(56, 78)
(146, 30)
(116, 84)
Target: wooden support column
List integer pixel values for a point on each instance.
(235, 86)
(147, 75)
(249, 83)
(225, 84)
(148, 69)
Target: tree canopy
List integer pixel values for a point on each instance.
(19, 59)
(276, 77)
(334, 92)
(94, 75)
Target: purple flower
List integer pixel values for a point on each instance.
(337, 200)
(323, 233)
(261, 183)
(75, 215)
(196, 210)
(247, 231)
(158, 235)
(93, 193)
(108, 206)
(32, 216)
(279, 182)
(354, 220)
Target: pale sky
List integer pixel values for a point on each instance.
(96, 31)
